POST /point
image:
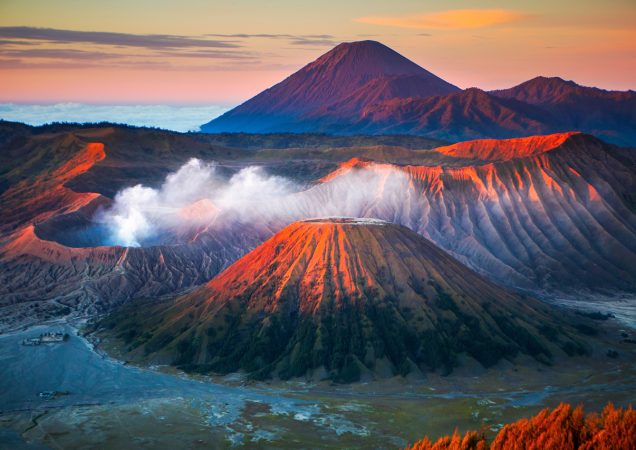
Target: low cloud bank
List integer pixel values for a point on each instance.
(175, 118)
(198, 196)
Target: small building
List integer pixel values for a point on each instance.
(53, 337)
(47, 338)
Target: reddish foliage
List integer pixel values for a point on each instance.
(563, 428)
(470, 441)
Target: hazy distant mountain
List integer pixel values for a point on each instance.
(367, 88)
(607, 114)
(472, 113)
(347, 78)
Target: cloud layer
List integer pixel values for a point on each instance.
(176, 118)
(149, 41)
(447, 20)
(30, 47)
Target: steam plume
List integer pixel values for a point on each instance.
(199, 196)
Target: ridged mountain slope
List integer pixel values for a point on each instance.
(341, 299)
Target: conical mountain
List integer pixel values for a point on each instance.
(343, 299)
(351, 76)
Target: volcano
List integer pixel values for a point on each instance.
(544, 214)
(342, 81)
(367, 88)
(343, 299)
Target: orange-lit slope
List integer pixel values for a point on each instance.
(505, 149)
(37, 206)
(341, 298)
(39, 197)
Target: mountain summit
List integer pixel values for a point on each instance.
(344, 299)
(347, 78)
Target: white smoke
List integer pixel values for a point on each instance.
(198, 196)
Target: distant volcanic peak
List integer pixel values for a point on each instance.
(337, 84)
(539, 89)
(506, 149)
(550, 90)
(366, 58)
(550, 81)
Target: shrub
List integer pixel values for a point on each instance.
(562, 428)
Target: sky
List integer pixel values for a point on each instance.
(219, 53)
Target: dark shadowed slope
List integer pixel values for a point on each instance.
(342, 81)
(468, 114)
(539, 106)
(343, 299)
(610, 115)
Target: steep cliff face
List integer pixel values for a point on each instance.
(610, 115)
(560, 215)
(342, 298)
(38, 189)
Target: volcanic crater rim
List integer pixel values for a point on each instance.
(346, 221)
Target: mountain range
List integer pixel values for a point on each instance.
(367, 88)
(551, 213)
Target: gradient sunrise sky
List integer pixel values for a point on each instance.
(195, 52)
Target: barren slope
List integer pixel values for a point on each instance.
(341, 298)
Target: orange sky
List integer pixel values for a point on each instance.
(207, 52)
